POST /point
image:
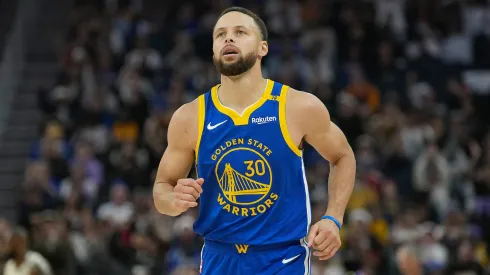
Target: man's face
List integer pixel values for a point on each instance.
(119, 195)
(237, 44)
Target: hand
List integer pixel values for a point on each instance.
(324, 238)
(186, 193)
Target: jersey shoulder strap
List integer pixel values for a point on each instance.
(201, 117)
(282, 91)
(276, 91)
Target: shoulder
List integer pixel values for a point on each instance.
(187, 113)
(35, 257)
(40, 262)
(183, 127)
(305, 105)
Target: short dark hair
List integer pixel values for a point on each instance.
(260, 23)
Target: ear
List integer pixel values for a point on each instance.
(263, 48)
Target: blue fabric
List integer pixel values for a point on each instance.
(283, 259)
(254, 190)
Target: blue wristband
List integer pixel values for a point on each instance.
(332, 219)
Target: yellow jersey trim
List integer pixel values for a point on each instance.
(241, 119)
(283, 123)
(201, 113)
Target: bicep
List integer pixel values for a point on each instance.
(175, 164)
(321, 133)
(178, 157)
(329, 141)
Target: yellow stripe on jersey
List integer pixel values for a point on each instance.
(283, 123)
(241, 119)
(201, 113)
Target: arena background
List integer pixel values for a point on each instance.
(88, 88)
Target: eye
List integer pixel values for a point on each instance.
(240, 32)
(221, 34)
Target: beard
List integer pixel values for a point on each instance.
(238, 67)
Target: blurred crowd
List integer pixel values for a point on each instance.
(406, 80)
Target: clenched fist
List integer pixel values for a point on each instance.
(324, 237)
(185, 194)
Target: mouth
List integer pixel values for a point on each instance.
(229, 51)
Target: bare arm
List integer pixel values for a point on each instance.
(313, 120)
(176, 161)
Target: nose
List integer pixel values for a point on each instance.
(229, 38)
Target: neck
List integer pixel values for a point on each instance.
(19, 258)
(242, 90)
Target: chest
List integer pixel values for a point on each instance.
(239, 145)
(256, 140)
(260, 130)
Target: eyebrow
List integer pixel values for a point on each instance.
(223, 28)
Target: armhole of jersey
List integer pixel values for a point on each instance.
(201, 113)
(283, 123)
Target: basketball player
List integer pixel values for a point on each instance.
(245, 136)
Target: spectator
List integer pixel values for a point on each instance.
(368, 95)
(38, 192)
(5, 234)
(465, 262)
(25, 261)
(78, 183)
(50, 238)
(119, 210)
(431, 173)
(84, 156)
(408, 261)
(184, 251)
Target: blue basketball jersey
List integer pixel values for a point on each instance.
(255, 189)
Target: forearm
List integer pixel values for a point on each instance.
(162, 198)
(340, 185)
